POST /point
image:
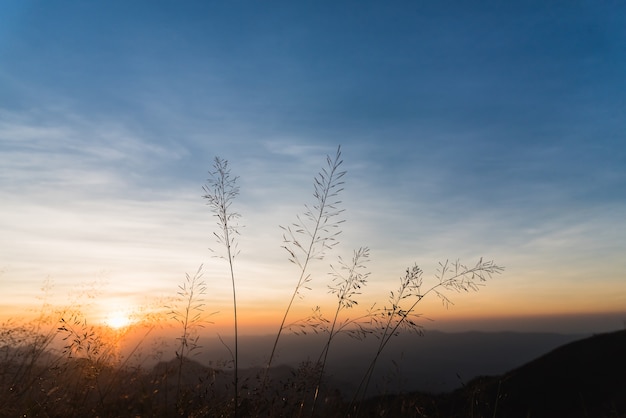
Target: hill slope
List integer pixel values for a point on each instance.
(585, 378)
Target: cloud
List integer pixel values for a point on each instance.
(66, 152)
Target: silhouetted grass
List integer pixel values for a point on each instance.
(314, 233)
(220, 193)
(85, 376)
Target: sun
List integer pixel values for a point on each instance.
(117, 320)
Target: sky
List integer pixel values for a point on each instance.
(467, 130)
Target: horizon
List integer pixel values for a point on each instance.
(491, 132)
(434, 362)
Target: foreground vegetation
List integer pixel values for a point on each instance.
(580, 379)
(84, 375)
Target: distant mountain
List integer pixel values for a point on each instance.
(585, 378)
(435, 362)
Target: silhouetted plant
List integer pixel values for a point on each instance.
(348, 279)
(220, 193)
(29, 349)
(80, 385)
(314, 323)
(91, 353)
(313, 233)
(189, 313)
(400, 313)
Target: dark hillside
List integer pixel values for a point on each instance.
(585, 378)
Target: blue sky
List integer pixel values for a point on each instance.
(494, 130)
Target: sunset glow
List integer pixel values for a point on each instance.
(118, 320)
(494, 133)
(312, 208)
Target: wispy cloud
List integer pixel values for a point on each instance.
(462, 137)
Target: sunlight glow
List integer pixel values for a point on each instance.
(118, 320)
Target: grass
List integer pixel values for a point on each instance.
(220, 192)
(188, 313)
(59, 365)
(313, 233)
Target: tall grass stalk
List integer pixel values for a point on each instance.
(220, 192)
(98, 353)
(348, 279)
(313, 233)
(190, 316)
(398, 316)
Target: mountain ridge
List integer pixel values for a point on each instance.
(583, 378)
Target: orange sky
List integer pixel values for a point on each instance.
(497, 306)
